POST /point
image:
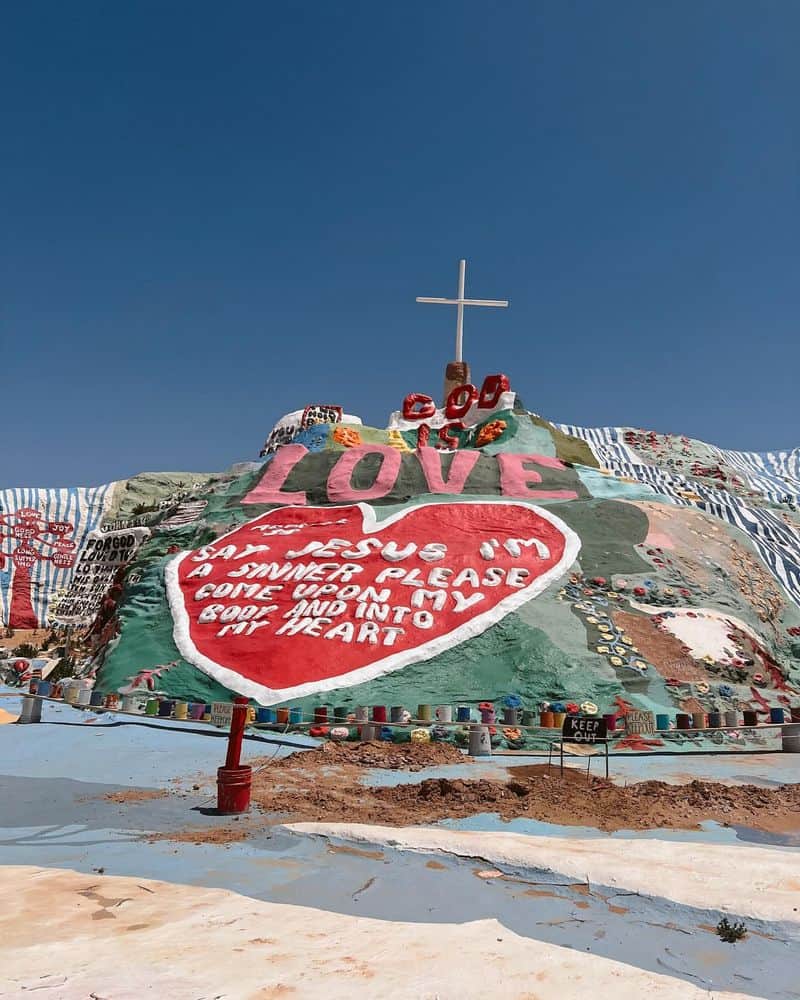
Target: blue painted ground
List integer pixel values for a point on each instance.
(57, 776)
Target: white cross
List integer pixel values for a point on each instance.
(461, 302)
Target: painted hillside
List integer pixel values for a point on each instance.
(463, 553)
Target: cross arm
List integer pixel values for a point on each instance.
(503, 303)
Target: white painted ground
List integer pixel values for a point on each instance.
(64, 935)
(753, 881)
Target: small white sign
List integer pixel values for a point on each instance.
(221, 714)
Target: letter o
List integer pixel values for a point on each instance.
(340, 479)
(459, 401)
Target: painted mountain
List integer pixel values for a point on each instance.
(466, 552)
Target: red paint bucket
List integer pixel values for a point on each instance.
(379, 713)
(321, 714)
(233, 789)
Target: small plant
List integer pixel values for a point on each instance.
(731, 933)
(26, 650)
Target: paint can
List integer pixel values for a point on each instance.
(296, 716)
(33, 684)
(84, 696)
(558, 719)
(683, 721)
(662, 723)
(112, 701)
(196, 710)
(444, 713)
(611, 722)
(750, 718)
(367, 732)
(31, 710)
(130, 702)
(790, 738)
(44, 689)
(282, 716)
(362, 713)
(151, 708)
(795, 710)
(207, 713)
(714, 720)
(71, 689)
(528, 717)
(340, 713)
(396, 713)
(320, 715)
(776, 715)
(424, 713)
(546, 720)
(97, 699)
(166, 708)
(487, 716)
(509, 716)
(181, 710)
(379, 713)
(233, 789)
(462, 713)
(731, 718)
(480, 745)
(698, 720)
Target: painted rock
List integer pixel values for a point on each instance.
(311, 599)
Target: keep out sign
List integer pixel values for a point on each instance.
(310, 599)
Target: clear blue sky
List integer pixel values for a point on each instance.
(213, 213)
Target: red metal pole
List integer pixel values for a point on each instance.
(238, 720)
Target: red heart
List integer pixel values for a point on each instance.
(408, 594)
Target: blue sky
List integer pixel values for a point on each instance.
(215, 213)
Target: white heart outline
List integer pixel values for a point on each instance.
(418, 654)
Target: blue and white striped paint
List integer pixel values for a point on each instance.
(82, 506)
(775, 475)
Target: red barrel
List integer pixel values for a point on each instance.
(233, 789)
(379, 713)
(321, 714)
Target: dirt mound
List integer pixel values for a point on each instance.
(391, 756)
(328, 785)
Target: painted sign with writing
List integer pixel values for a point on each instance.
(308, 599)
(640, 722)
(221, 714)
(371, 472)
(104, 554)
(581, 729)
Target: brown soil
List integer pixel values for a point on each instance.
(326, 785)
(136, 795)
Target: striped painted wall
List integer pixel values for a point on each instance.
(82, 507)
(775, 475)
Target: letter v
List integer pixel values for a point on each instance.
(431, 461)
